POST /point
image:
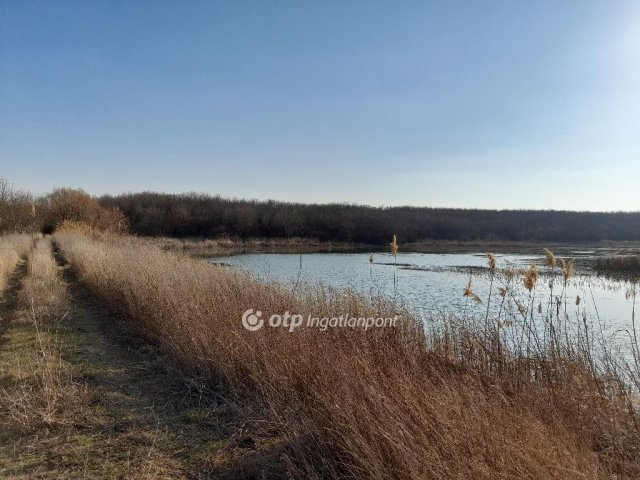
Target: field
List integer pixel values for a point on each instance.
(124, 359)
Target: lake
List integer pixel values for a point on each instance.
(433, 283)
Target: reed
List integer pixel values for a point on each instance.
(445, 400)
(629, 264)
(394, 246)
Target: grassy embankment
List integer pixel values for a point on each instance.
(225, 246)
(215, 247)
(506, 397)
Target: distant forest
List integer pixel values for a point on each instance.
(196, 215)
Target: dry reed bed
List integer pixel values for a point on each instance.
(620, 263)
(228, 246)
(389, 403)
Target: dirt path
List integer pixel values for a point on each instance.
(134, 417)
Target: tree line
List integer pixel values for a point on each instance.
(199, 215)
(21, 211)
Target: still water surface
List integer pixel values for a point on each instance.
(433, 283)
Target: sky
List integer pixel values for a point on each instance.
(497, 104)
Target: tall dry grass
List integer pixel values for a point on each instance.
(40, 391)
(450, 401)
(42, 292)
(12, 248)
(232, 246)
(629, 264)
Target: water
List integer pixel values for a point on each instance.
(433, 283)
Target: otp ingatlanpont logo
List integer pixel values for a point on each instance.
(252, 321)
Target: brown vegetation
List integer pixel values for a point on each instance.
(205, 216)
(43, 293)
(629, 264)
(227, 246)
(502, 399)
(65, 205)
(12, 249)
(40, 392)
(80, 397)
(23, 212)
(15, 208)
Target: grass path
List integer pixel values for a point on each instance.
(135, 417)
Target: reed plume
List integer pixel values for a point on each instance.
(394, 246)
(469, 293)
(492, 262)
(562, 263)
(567, 271)
(531, 277)
(551, 258)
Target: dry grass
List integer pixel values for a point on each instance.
(12, 248)
(43, 292)
(40, 391)
(463, 401)
(228, 246)
(620, 264)
(78, 400)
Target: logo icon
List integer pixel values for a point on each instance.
(252, 321)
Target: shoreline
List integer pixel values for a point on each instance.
(227, 247)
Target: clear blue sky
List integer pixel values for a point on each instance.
(501, 104)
